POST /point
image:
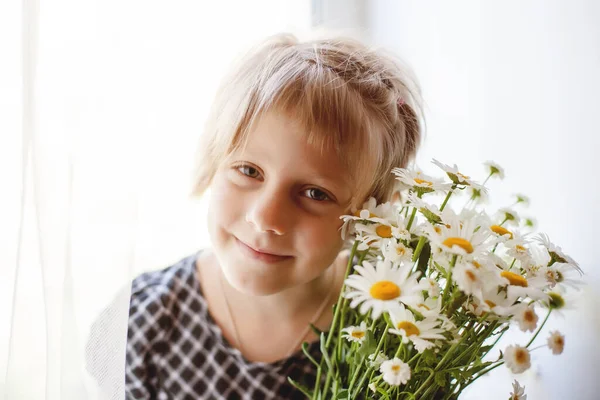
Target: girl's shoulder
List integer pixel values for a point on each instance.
(158, 293)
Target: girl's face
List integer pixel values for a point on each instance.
(275, 207)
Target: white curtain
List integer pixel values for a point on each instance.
(101, 107)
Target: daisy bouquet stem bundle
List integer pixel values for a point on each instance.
(430, 290)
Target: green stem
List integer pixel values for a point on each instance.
(447, 197)
(332, 329)
(412, 217)
(540, 328)
(419, 248)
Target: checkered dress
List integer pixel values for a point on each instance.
(175, 350)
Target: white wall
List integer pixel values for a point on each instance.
(517, 82)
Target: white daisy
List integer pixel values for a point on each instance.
(459, 236)
(518, 392)
(395, 372)
(556, 253)
(370, 209)
(383, 288)
(467, 278)
(431, 307)
(396, 252)
(556, 342)
(529, 222)
(509, 216)
(373, 387)
(501, 232)
(492, 301)
(559, 302)
(517, 359)
(417, 332)
(526, 317)
(432, 286)
(456, 177)
(375, 360)
(493, 169)
(355, 333)
(518, 246)
(518, 285)
(478, 195)
(429, 211)
(418, 181)
(563, 275)
(383, 229)
(521, 199)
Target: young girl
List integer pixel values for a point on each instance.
(300, 134)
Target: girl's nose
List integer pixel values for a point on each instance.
(269, 212)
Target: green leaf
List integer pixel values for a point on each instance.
(368, 346)
(308, 355)
(424, 258)
(316, 330)
(343, 394)
(300, 387)
(324, 352)
(440, 378)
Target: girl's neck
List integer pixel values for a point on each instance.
(282, 319)
(292, 303)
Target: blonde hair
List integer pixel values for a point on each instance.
(354, 101)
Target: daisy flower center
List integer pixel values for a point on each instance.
(520, 248)
(396, 368)
(460, 242)
(514, 279)
(384, 231)
(400, 251)
(490, 303)
(529, 316)
(501, 230)
(385, 290)
(472, 277)
(556, 300)
(423, 182)
(358, 334)
(521, 356)
(410, 328)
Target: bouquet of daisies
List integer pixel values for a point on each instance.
(429, 291)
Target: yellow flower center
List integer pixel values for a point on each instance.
(472, 277)
(400, 251)
(490, 303)
(501, 230)
(410, 328)
(521, 356)
(384, 231)
(396, 368)
(514, 279)
(529, 316)
(423, 182)
(357, 214)
(385, 290)
(476, 264)
(520, 248)
(437, 230)
(358, 334)
(460, 242)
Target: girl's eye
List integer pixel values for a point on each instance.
(249, 171)
(317, 194)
